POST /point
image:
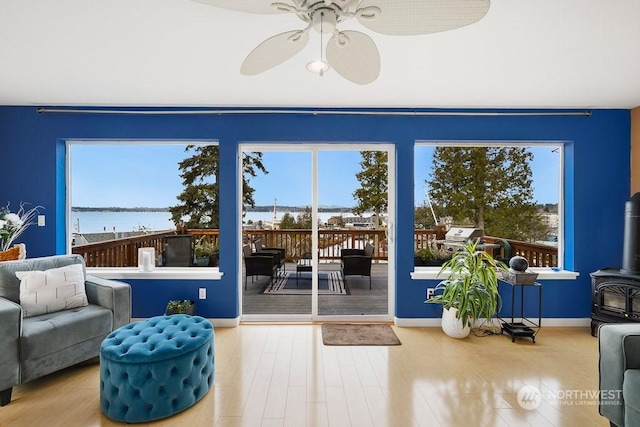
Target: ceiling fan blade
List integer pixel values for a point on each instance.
(354, 56)
(412, 17)
(274, 51)
(251, 6)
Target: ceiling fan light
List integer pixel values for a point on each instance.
(318, 67)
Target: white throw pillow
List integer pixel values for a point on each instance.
(52, 290)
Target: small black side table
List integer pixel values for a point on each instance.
(517, 324)
(303, 264)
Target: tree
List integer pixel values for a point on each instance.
(490, 187)
(288, 222)
(373, 178)
(423, 219)
(305, 219)
(200, 204)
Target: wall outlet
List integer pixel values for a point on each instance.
(430, 293)
(40, 220)
(202, 293)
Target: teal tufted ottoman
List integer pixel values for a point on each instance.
(156, 367)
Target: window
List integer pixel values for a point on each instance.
(127, 195)
(510, 191)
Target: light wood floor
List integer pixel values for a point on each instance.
(282, 375)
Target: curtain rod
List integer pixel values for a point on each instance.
(316, 112)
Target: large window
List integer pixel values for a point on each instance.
(127, 195)
(510, 193)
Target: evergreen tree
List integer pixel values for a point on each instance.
(423, 219)
(304, 219)
(288, 222)
(489, 187)
(373, 178)
(199, 200)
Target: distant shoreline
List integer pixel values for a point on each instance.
(115, 209)
(254, 209)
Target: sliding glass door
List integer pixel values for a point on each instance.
(353, 269)
(315, 243)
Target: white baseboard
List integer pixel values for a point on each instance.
(546, 322)
(225, 323)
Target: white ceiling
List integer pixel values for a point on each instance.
(524, 53)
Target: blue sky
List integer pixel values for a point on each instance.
(147, 175)
(125, 175)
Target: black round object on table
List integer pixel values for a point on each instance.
(518, 263)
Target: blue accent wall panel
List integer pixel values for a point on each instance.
(150, 297)
(597, 184)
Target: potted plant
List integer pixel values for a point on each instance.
(184, 306)
(203, 252)
(431, 256)
(470, 290)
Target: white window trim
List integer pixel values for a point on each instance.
(544, 273)
(160, 273)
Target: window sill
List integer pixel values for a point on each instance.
(161, 273)
(544, 273)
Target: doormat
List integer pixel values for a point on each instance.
(358, 334)
(329, 283)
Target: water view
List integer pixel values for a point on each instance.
(99, 222)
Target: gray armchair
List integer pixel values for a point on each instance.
(32, 347)
(619, 373)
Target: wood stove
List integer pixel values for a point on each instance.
(616, 293)
(615, 297)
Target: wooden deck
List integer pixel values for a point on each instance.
(360, 301)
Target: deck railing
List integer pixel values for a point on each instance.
(119, 252)
(330, 242)
(124, 252)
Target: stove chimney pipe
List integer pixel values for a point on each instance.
(631, 243)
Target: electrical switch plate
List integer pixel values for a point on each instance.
(202, 293)
(40, 220)
(430, 293)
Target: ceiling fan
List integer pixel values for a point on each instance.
(352, 54)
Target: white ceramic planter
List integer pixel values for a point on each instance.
(453, 327)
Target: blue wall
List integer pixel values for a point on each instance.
(597, 184)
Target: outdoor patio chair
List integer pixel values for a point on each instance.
(265, 264)
(281, 252)
(356, 262)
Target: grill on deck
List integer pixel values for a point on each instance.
(458, 236)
